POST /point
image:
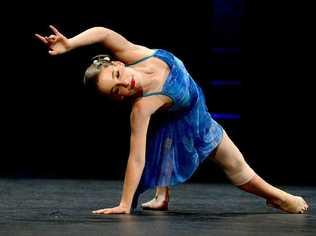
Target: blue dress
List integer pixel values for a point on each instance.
(183, 137)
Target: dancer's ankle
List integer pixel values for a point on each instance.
(162, 196)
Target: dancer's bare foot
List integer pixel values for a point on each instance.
(290, 204)
(160, 202)
(156, 204)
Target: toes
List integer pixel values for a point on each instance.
(305, 208)
(305, 205)
(155, 206)
(296, 205)
(147, 204)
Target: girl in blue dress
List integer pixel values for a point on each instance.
(168, 153)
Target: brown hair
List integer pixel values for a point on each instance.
(91, 74)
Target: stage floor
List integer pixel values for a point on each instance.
(63, 207)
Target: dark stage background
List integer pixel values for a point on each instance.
(252, 65)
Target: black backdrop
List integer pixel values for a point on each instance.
(53, 127)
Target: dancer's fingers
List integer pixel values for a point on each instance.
(42, 38)
(52, 37)
(55, 30)
(101, 211)
(52, 52)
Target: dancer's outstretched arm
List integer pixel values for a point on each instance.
(140, 117)
(121, 48)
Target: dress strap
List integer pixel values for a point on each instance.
(151, 94)
(142, 59)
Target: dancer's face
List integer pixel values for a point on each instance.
(117, 81)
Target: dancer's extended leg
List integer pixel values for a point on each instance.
(240, 174)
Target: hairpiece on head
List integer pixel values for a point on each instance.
(94, 69)
(100, 59)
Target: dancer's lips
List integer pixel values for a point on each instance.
(132, 83)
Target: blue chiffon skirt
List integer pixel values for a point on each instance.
(180, 139)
